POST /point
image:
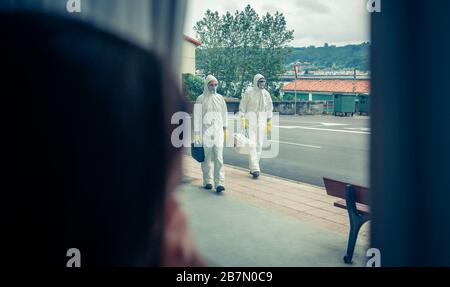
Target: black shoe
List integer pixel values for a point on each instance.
(220, 189)
(208, 186)
(255, 174)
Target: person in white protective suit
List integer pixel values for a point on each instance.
(255, 111)
(210, 126)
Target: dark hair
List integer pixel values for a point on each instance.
(87, 144)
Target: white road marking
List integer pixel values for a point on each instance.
(297, 144)
(287, 127)
(359, 129)
(333, 124)
(324, 129)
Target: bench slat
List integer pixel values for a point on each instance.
(337, 189)
(361, 207)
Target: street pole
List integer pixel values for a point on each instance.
(295, 97)
(295, 89)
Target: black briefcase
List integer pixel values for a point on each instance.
(197, 152)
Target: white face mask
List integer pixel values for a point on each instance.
(262, 84)
(212, 89)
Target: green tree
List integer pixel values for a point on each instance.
(330, 56)
(237, 46)
(193, 86)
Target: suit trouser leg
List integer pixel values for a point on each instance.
(257, 136)
(206, 166)
(219, 172)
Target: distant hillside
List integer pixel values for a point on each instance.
(346, 57)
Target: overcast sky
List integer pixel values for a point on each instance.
(315, 22)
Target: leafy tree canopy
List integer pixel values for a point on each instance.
(236, 46)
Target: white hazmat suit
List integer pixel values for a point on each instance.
(256, 107)
(210, 119)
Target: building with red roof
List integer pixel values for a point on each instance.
(323, 89)
(329, 90)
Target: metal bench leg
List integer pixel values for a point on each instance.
(356, 221)
(352, 237)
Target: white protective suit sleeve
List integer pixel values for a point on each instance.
(243, 104)
(224, 114)
(198, 114)
(269, 106)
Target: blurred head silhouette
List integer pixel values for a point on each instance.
(88, 160)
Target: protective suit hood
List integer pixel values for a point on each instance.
(256, 79)
(208, 79)
(256, 100)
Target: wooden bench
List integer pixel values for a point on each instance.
(356, 201)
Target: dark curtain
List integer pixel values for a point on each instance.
(410, 145)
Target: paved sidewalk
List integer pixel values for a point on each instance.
(266, 222)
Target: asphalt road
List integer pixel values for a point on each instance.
(311, 147)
